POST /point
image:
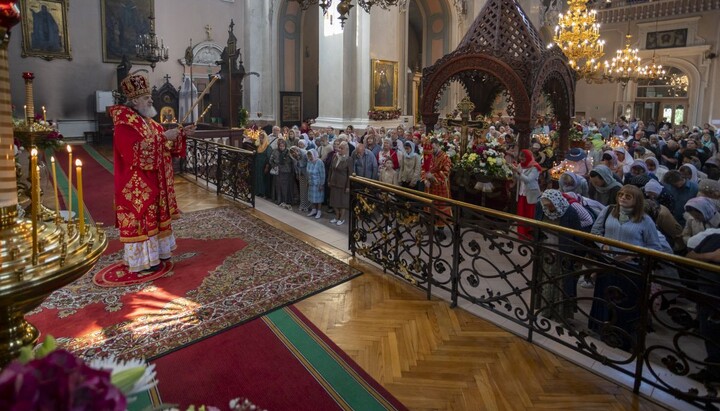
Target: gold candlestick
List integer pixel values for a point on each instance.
(69, 174)
(44, 114)
(35, 199)
(30, 112)
(55, 190)
(203, 113)
(81, 204)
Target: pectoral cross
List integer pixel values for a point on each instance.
(465, 107)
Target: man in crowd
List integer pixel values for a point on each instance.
(144, 190)
(365, 164)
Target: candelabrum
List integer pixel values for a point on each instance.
(149, 48)
(625, 66)
(578, 36)
(36, 257)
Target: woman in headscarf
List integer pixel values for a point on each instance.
(283, 181)
(624, 159)
(710, 189)
(609, 159)
(262, 166)
(625, 221)
(691, 173)
(316, 183)
(701, 215)
(572, 183)
(410, 164)
(339, 183)
(556, 285)
(603, 185)
(299, 155)
(654, 168)
(526, 174)
(656, 191)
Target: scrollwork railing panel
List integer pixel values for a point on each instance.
(651, 316)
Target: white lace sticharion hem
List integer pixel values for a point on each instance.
(143, 255)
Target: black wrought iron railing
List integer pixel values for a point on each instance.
(229, 170)
(652, 316)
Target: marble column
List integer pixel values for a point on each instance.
(344, 89)
(260, 20)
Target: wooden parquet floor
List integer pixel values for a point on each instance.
(432, 357)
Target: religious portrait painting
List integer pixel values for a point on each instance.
(45, 29)
(384, 85)
(666, 39)
(123, 22)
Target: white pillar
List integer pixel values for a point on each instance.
(259, 30)
(344, 89)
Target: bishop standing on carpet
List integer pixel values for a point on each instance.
(145, 201)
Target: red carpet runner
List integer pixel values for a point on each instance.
(279, 362)
(98, 183)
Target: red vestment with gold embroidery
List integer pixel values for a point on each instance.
(144, 190)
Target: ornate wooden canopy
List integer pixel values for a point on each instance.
(502, 50)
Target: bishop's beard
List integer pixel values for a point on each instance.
(147, 111)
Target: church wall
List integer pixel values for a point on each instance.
(67, 88)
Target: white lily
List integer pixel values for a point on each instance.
(126, 375)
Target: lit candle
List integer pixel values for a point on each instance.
(55, 187)
(81, 205)
(25, 108)
(34, 198)
(69, 149)
(44, 114)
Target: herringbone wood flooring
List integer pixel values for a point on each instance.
(432, 357)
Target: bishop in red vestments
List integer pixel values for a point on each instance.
(145, 200)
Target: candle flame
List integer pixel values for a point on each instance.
(69, 149)
(78, 163)
(33, 152)
(52, 159)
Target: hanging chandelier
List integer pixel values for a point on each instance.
(625, 66)
(578, 36)
(653, 71)
(344, 6)
(149, 48)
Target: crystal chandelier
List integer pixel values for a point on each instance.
(625, 66)
(653, 71)
(344, 6)
(578, 36)
(149, 48)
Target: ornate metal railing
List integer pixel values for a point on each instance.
(637, 10)
(230, 170)
(650, 315)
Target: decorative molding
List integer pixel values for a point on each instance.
(207, 53)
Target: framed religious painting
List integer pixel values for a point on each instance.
(45, 29)
(290, 108)
(384, 85)
(123, 21)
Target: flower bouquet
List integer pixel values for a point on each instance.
(575, 133)
(485, 163)
(378, 115)
(41, 134)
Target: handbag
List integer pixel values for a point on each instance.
(275, 170)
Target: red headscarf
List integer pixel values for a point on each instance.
(529, 160)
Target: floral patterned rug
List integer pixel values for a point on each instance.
(229, 267)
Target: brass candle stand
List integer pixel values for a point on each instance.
(27, 279)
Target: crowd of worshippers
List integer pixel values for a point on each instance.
(311, 168)
(653, 186)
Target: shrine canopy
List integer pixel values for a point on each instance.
(502, 53)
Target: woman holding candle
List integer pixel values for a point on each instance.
(144, 191)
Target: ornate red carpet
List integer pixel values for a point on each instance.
(229, 267)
